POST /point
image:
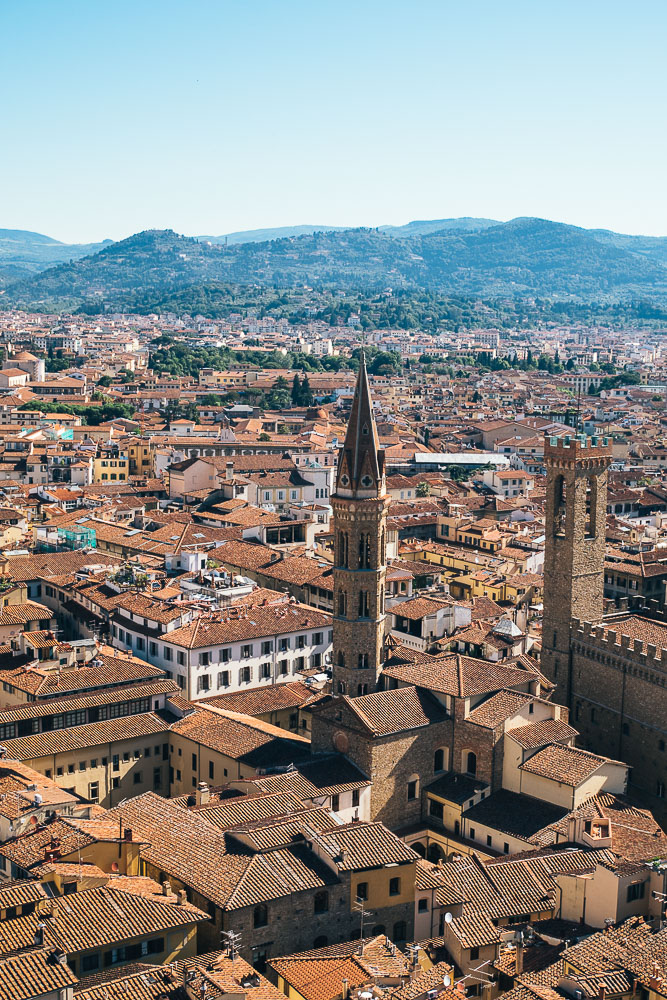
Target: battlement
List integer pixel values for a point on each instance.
(611, 641)
(578, 448)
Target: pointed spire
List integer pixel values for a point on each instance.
(361, 464)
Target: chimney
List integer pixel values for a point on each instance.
(229, 471)
(571, 829)
(181, 897)
(519, 960)
(346, 990)
(127, 834)
(203, 794)
(602, 991)
(166, 888)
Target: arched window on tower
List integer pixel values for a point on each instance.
(364, 550)
(363, 604)
(342, 604)
(560, 505)
(383, 548)
(590, 529)
(341, 687)
(363, 661)
(341, 659)
(362, 689)
(343, 549)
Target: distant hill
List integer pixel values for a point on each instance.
(31, 252)
(526, 257)
(265, 235)
(418, 228)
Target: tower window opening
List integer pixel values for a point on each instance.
(343, 549)
(591, 505)
(560, 505)
(363, 604)
(363, 661)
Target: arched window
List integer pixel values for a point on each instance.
(470, 762)
(321, 902)
(383, 549)
(341, 687)
(341, 658)
(435, 853)
(439, 760)
(413, 787)
(260, 917)
(321, 941)
(363, 604)
(400, 931)
(342, 604)
(364, 550)
(419, 848)
(342, 548)
(378, 929)
(362, 689)
(363, 661)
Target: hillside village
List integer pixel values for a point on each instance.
(333, 680)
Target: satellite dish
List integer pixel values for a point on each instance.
(448, 918)
(446, 980)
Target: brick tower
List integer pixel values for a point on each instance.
(575, 520)
(360, 521)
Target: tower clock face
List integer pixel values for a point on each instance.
(341, 742)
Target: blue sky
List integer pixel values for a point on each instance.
(208, 116)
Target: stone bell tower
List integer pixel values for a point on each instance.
(575, 521)
(359, 505)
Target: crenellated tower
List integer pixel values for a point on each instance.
(360, 558)
(575, 522)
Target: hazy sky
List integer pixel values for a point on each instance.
(207, 116)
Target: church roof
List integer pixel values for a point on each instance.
(361, 466)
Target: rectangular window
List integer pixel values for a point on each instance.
(355, 796)
(394, 886)
(211, 770)
(203, 683)
(283, 644)
(267, 647)
(225, 655)
(244, 675)
(422, 905)
(246, 652)
(335, 803)
(94, 791)
(412, 790)
(362, 890)
(317, 638)
(152, 648)
(157, 777)
(223, 678)
(168, 652)
(636, 891)
(265, 671)
(194, 762)
(180, 658)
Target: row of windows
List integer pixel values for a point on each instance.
(265, 672)
(224, 654)
(127, 953)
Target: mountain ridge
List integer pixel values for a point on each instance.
(525, 257)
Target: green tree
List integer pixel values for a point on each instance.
(423, 490)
